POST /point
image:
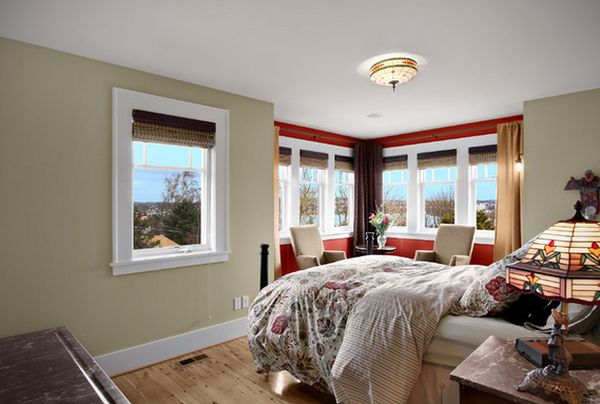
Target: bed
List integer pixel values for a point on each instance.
(374, 329)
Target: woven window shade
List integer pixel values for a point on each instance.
(395, 162)
(285, 156)
(482, 154)
(344, 163)
(444, 158)
(160, 128)
(313, 159)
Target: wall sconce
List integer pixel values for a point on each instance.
(519, 163)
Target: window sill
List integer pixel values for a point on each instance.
(479, 239)
(168, 261)
(285, 239)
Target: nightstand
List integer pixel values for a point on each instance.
(491, 373)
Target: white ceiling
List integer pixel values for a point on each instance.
(484, 57)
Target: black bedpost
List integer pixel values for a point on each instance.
(264, 265)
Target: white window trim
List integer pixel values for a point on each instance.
(124, 261)
(326, 222)
(462, 206)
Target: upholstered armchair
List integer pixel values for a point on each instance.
(309, 250)
(453, 246)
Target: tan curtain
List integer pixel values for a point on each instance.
(509, 189)
(276, 253)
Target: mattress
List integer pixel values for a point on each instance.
(458, 336)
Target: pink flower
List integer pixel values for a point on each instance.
(386, 219)
(372, 216)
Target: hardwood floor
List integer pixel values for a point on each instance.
(221, 374)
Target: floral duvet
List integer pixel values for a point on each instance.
(356, 328)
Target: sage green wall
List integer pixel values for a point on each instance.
(55, 206)
(562, 139)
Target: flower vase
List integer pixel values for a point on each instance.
(381, 240)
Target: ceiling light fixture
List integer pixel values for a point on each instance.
(393, 71)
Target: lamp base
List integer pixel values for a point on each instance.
(562, 388)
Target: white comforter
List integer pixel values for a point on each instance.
(357, 328)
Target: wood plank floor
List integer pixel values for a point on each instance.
(225, 375)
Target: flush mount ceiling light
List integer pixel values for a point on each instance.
(393, 71)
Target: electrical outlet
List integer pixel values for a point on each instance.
(237, 303)
(245, 302)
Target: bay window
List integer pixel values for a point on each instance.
(311, 184)
(343, 191)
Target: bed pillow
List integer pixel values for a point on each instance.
(489, 294)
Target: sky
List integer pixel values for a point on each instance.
(148, 183)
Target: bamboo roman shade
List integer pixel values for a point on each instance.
(395, 162)
(482, 154)
(285, 156)
(443, 158)
(161, 128)
(344, 163)
(313, 159)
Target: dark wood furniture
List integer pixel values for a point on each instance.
(491, 373)
(361, 249)
(52, 366)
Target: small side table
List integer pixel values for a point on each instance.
(491, 373)
(362, 249)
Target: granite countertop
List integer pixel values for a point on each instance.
(497, 368)
(52, 366)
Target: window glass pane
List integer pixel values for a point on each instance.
(439, 204)
(429, 174)
(166, 155)
(485, 204)
(280, 205)
(452, 173)
(342, 206)
(138, 153)
(396, 176)
(492, 169)
(440, 174)
(394, 201)
(309, 174)
(309, 204)
(167, 206)
(481, 171)
(197, 157)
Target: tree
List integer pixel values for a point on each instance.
(309, 204)
(182, 224)
(440, 208)
(182, 186)
(392, 203)
(342, 206)
(484, 222)
(142, 231)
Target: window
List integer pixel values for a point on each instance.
(437, 171)
(395, 187)
(483, 186)
(283, 178)
(168, 203)
(316, 186)
(343, 191)
(310, 192)
(169, 184)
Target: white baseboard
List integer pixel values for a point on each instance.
(139, 356)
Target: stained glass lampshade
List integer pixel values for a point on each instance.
(563, 263)
(393, 71)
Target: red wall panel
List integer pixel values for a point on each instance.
(483, 254)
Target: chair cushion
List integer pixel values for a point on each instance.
(306, 240)
(453, 240)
